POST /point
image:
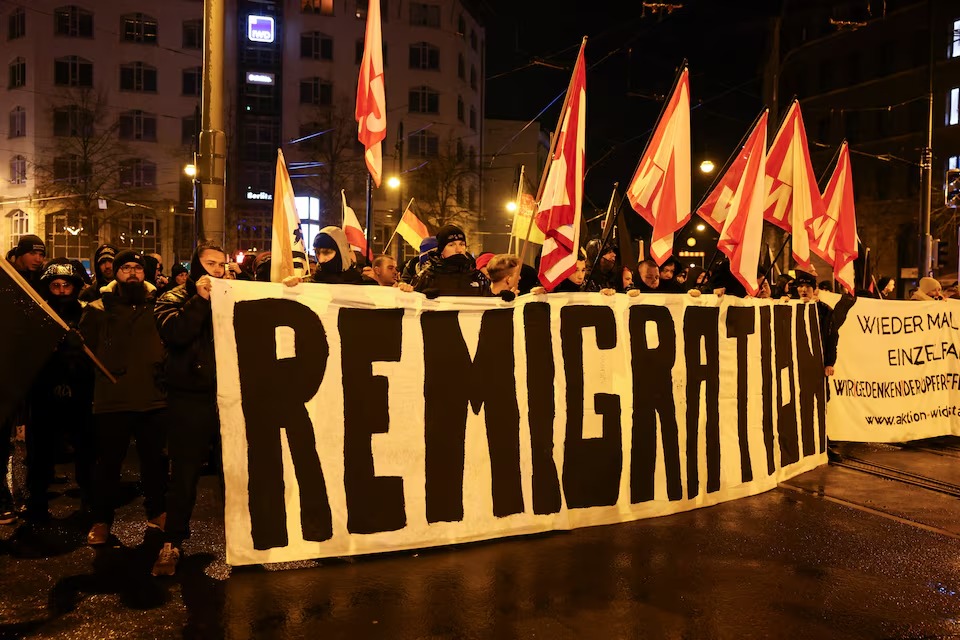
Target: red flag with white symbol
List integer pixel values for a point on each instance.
(562, 190)
(792, 197)
(737, 201)
(353, 230)
(833, 235)
(371, 113)
(660, 188)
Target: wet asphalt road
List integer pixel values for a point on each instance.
(834, 554)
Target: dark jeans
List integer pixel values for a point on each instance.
(193, 425)
(50, 417)
(113, 432)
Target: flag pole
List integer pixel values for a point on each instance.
(369, 229)
(608, 226)
(6, 266)
(390, 241)
(516, 213)
(553, 148)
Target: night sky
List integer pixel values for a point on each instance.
(632, 60)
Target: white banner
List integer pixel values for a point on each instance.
(362, 419)
(897, 376)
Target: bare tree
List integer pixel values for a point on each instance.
(445, 186)
(332, 157)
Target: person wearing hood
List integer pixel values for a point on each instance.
(178, 276)
(185, 321)
(60, 397)
(336, 262)
(451, 271)
(102, 272)
(120, 330)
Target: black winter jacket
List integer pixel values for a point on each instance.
(185, 323)
(451, 277)
(124, 338)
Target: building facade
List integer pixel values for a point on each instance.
(861, 71)
(103, 104)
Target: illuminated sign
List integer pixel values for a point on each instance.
(263, 195)
(261, 29)
(255, 77)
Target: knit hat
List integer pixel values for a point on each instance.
(449, 233)
(427, 245)
(928, 285)
(62, 269)
(29, 243)
(126, 256)
(106, 252)
(804, 278)
(484, 258)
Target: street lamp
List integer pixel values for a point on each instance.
(190, 170)
(511, 206)
(701, 227)
(393, 182)
(707, 166)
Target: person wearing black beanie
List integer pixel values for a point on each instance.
(28, 258)
(450, 270)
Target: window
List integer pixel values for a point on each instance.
(138, 125)
(424, 144)
(424, 56)
(953, 106)
(137, 172)
(461, 26)
(953, 162)
(138, 232)
(473, 77)
(18, 73)
(192, 81)
(18, 170)
(68, 235)
(188, 130)
(138, 27)
(473, 118)
(259, 139)
(138, 76)
(72, 122)
(359, 53)
(953, 49)
(363, 5)
(255, 233)
(424, 100)
(319, 7)
(316, 91)
(472, 158)
(473, 39)
(424, 15)
(461, 67)
(460, 192)
(460, 153)
(460, 108)
(472, 197)
(66, 169)
(72, 71)
(316, 45)
(73, 21)
(192, 34)
(18, 122)
(18, 24)
(19, 225)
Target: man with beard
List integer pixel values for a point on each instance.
(102, 272)
(120, 329)
(185, 321)
(60, 397)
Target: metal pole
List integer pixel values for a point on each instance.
(211, 160)
(400, 208)
(369, 216)
(926, 165)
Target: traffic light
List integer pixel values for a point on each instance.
(951, 188)
(940, 249)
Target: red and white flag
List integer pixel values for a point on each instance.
(833, 235)
(792, 196)
(352, 229)
(559, 208)
(371, 113)
(738, 200)
(288, 255)
(660, 188)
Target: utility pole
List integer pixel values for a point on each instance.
(399, 180)
(926, 165)
(212, 156)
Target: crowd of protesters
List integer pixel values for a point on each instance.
(154, 334)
